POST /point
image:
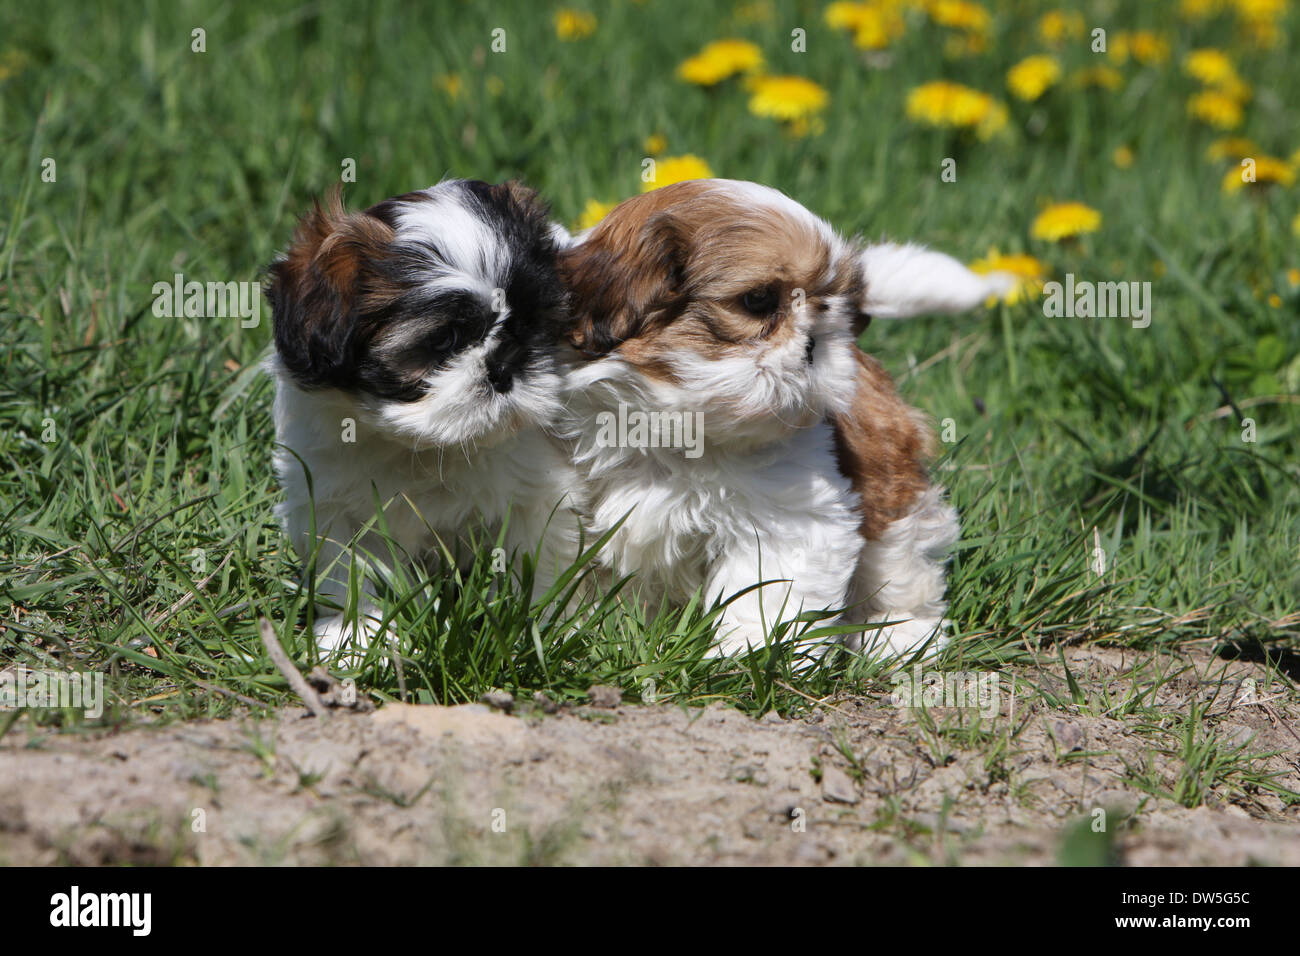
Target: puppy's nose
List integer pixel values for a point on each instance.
(501, 378)
(808, 352)
(505, 361)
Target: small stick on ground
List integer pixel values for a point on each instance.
(286, 667)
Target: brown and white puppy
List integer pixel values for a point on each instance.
(414, 366)
(717, 399)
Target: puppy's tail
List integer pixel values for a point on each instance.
(907, 280)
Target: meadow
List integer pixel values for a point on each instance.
(1120, 484)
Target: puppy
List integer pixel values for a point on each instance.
(413, 367)
(730, 301)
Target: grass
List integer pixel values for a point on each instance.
(136, 533)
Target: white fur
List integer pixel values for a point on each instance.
(766, 501)
(909, 280)
(461, 457)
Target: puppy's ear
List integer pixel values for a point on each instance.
(622, 278)
(324, 287)
(907, 280)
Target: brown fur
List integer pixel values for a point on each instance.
(667, 271)
(882, 446)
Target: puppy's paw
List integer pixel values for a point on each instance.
(907, 636)
(736, 641)
(340, 641)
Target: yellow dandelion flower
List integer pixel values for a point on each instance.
(1275, 300)
(786, 97)
(1030, 78)
(594, 212)
(1216, 108)
(655, 144)
(805, 126)
(1149, 47)
(760, 11)
(1210, 66)
(1259, 9)
(1263, 34)
(1064, 220)
(451, 84)
(1199, 9)
(844, 15)
(1230, 147)
(1030, 274)
(12, 62)
(1258, 171)
(950, 104)
(959, 14)
(1122, 157)
(1056, 26)
(961, 45)
(878, 28)
(1293, 277)
(574, 24)
(721, 60)
(1103, 77)
(677, 169)
(1142, 45)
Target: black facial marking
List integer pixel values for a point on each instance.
(376, 328)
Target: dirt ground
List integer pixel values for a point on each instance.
(632, 783)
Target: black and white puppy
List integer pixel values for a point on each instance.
(413, 366)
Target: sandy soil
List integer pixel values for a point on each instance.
(656, 784)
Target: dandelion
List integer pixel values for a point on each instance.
(1259, 9)
(1211, 67)
(1030, 78)
(594, 212)
(451, 84)
(786, 98)
(12, 62)
(1230, 147)
(942, 103)
(1143, 45)
(1199, 9)
(1064, 221)
(1029, 273)
(878, 29)
(574, 24)
(960, 15)
(1102, 77)
(677, 169)
(1122, 157)
(655, 144)
(760, 11)
(1216, 108)
(874, 25)
(721, 60)
(1266, 171)
(1056, 26)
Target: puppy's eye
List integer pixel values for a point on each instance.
(763, 300)
(444, 340)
